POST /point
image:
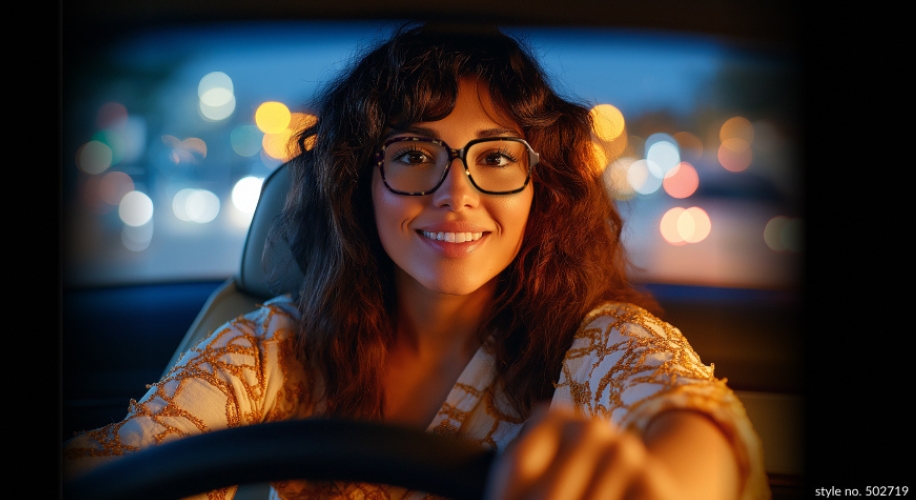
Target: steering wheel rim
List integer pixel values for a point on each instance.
(310, 449)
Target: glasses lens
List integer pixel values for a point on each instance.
(414, 166)
(498, 165)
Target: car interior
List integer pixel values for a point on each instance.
(753, 335)
(765, 377)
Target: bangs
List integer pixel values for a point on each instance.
(421, 98)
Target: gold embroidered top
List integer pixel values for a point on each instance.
(624, 365)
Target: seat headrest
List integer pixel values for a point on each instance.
(252, 278)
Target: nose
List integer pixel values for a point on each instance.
(456, 191)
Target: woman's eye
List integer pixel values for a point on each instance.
(414, 157)
(497, 159)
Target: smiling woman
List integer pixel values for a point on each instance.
(519, 330)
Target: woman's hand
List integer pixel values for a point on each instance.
(560, 455)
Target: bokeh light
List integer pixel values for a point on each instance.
(111, 114)
(113, 186)
(115, 142)
(272, 117)
(246, 192)
(645, 177)
(246, 140)
(737, 127)
(190, 150)
(282, 145)
(662, 150)
(599, 157)
(681, 181)
(217, 96)
(735, 154)
(93, 157)
(195, 205)
(135, 209)
(607, 122)
(615, 179)
(680, 225)
(784, 234)
(736, 136)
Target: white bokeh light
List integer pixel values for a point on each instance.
(662, 150)
(645, 176)
(217, 96)
(195, 205)
(135, 209)
(245, 194)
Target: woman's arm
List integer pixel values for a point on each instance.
(244, 372)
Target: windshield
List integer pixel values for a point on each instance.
(168, 134)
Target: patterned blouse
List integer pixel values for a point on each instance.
(625, 365)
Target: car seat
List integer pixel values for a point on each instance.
(243, 292)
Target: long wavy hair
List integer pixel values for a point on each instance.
(571, 257)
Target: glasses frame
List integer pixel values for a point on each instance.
(533, 159)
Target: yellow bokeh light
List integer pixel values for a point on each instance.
(607, 121)
(272, 117)
(279, 145)
(599, 158)
(737, 127)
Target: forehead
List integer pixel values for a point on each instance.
(474, 112)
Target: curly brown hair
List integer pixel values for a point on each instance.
(571, 258)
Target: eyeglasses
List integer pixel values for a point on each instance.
(417, 166)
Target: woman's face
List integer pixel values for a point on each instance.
(424, 235)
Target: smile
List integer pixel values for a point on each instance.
(452, 237)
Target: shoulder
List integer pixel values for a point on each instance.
(617, 325)
(622, 354)
(274, 319)
(262, 337)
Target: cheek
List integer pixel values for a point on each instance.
(382, 208)
(514, 216)
(392, 212)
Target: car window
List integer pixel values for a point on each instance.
(167, 134)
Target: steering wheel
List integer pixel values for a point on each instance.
(310, 449)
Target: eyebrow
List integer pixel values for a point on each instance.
(428, 132)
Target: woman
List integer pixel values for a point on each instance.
(463, 274)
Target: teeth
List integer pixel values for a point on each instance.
(453, 237)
